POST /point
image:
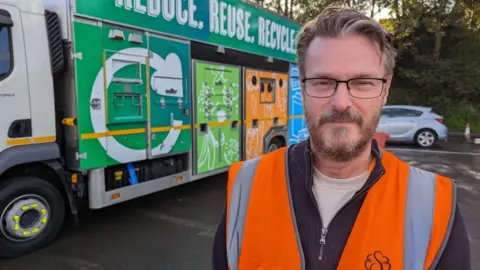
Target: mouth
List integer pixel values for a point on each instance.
(340, 122)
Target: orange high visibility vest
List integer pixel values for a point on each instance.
(406, 216)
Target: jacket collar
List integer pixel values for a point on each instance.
(375, 174)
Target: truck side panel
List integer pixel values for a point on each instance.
(124, 95)
(170, 96)
(217, 122)
(204, 21)
(265, 106)
(88, 67)
(137, 112)
(297, 126)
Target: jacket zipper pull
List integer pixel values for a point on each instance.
(323, 241)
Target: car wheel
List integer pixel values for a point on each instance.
(425, 138)
(31, 215)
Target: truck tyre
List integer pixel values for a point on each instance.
(31, 214)
(274, 145)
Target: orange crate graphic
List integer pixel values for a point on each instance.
(266, 96)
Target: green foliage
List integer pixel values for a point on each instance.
(459, 116)
(438, 63)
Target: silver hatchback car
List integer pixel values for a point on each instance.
(412, 124)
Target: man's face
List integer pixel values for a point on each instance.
(341, 126)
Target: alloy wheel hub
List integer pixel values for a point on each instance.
(426, 138)
(24, 218)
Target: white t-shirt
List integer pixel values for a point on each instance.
(332, 194)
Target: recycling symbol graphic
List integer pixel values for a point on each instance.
(169, 67)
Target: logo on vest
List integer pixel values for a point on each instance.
(377, 261)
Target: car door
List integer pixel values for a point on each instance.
(383, 124)
(403, 123)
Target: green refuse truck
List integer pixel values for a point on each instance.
(105, 101)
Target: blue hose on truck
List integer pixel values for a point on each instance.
(132, 176)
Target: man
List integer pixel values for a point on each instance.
(338, 201)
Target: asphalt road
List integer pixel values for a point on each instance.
(174, 229)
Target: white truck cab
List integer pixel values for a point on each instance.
(32, 184)
(27, 113)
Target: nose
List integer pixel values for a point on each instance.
(341, 100)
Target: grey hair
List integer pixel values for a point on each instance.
(336, 22)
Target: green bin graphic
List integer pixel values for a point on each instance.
(217, 123)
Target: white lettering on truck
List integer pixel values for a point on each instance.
(169, 9)
(225, 19)
(275, 36)
(229, 21)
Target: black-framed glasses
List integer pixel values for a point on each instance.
(357, 87)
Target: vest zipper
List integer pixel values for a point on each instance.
(323, 241)
(323, 236)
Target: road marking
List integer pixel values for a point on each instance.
(432, 151)
(467, 187)
(81, 264)
(205, 229)
(469, 171)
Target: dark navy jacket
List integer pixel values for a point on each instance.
(456, 255)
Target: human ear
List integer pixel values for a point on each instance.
(387, 89)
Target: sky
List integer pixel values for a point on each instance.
(383, 14)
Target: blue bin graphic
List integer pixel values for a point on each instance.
(297, 126)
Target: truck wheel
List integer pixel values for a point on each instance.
(274, 145)
(31, 214)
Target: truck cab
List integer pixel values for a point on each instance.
(27, 114)
(32, 184)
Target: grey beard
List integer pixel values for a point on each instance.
(338, 150)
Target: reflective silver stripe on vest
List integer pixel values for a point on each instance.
(449, 227)
(420, 206)
(238, 210)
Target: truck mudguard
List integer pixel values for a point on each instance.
(27, 153)
(47, 153)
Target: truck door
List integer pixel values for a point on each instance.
(125, 56)
(297, 126)
(15, 119)
(265, 108)
(169, 112)
(217, 117)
